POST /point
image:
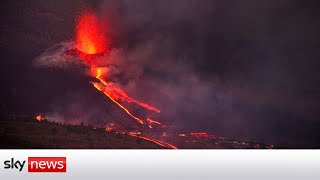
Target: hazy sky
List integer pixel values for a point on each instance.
(242, 68)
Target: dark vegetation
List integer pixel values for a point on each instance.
(25, 132)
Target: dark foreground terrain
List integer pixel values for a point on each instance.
(26, 132)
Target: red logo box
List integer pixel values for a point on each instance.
(47, 164)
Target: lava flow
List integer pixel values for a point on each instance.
(90, 44)
(97, 86)
(160, 143)
(117, 93)
(90, 41)
(153, 122)
(206, 135)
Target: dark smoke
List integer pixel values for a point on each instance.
(245, 69)
(157, 68)
(231, 67)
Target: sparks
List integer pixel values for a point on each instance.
(90, 36)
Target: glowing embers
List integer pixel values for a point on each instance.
(39, 118)
(206, 135)
(90, 34)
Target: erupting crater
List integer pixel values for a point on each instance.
(90, 34)
(91, 43)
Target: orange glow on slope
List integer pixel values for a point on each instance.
(90, 34)
(160, 143)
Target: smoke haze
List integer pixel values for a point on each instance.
(243, 69)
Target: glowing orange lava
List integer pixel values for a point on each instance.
(91, 42)
(118, 94)
(160, 143)
(39, 118)
(206, 135)
(90, 34)
(115, 94)
(98, 76)
(153, 122)
(97, 86)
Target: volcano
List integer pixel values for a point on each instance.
(90, 48)
(91, 44)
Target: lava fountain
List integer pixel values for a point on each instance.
(90, 34)
(91, 41)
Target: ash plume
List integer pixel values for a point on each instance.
(154, 68)
(208, 65)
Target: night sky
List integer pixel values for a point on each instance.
(239, 68)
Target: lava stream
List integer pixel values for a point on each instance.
(160, 143)
(97, 86)
(114, 93)
(98, 76)
(118, 94)
(91, 43)
(206, 135)
(153, 121)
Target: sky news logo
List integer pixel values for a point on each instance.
(38, 164)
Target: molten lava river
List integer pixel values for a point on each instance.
(90, 41)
